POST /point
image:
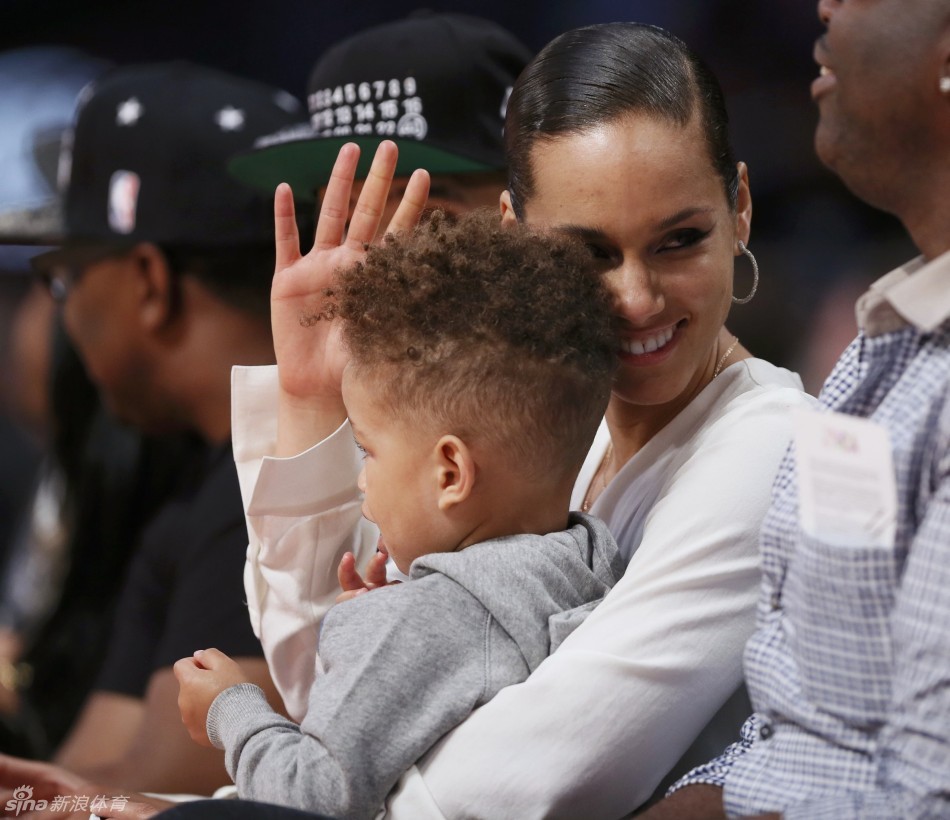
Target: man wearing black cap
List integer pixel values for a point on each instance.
(435, 84)
(164, 275)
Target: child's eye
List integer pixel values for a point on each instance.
(685, 238)
(597, 251)
(361, 448)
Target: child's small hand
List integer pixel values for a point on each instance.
(201, 679)
(353, 583)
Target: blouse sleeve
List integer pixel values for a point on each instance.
(303, 514)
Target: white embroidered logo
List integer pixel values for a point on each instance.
(384, 108)
(412, 126)
(123, 201)
(129, 112)
(287, 101)
(230, 119)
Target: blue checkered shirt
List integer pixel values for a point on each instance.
(849, 667)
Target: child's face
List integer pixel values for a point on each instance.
(399, 478)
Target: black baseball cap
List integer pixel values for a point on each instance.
(147, 157)
(436, 84)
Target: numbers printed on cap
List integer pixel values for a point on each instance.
(385, 108)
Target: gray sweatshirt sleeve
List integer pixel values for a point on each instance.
(403, 665)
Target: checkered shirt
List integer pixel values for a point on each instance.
(849, 667)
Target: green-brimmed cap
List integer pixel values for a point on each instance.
(436, 84)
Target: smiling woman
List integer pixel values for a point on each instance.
(637, 162)
(616, 134)
(656, 215)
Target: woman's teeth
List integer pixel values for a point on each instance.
(647, 345)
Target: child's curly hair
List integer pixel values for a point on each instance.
(493, 332)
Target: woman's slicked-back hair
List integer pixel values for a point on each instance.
(599, 74)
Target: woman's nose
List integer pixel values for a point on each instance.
(637, 296)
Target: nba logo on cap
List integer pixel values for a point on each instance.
(123, 201)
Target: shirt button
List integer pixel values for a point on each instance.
(776, 601)
(766, 731)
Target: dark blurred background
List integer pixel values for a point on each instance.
(817, 246)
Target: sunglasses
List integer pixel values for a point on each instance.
(60, 270)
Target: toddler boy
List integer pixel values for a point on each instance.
(481, 360)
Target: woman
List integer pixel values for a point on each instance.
(615, 133)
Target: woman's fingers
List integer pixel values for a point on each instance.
(413, 203)
(286, 238)
(335, 207)
(372, 202)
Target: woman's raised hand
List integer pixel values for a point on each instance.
(310, 355)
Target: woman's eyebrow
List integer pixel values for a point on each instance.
(590, 233)
(680, 216)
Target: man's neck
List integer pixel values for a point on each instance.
(925, 213)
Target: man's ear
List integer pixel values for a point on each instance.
(455, 471)
(507, 211)
(156, 285)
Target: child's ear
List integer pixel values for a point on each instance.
(455, 471)
(507, 210)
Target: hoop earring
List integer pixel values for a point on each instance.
(755, 276)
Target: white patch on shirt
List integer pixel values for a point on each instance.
(847, 489)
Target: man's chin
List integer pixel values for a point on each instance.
(136, 419)
(824, 145)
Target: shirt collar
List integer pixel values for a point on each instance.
(917, 293)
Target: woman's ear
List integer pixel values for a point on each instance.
(156, 285)
(507, 211)
(743, 207)
(455, 471)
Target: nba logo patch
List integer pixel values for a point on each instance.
(123, 201)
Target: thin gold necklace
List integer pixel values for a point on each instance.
(722, 360)
(604, 468)
(608, 456)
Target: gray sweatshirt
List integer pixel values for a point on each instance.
(407, 663)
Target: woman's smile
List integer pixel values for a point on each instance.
(649, 347)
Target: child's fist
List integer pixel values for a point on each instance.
(201, 678)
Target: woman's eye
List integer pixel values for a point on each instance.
(685, 238)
